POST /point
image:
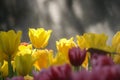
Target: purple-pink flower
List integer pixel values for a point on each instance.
(76, 56)
(54, 73)
(101, 61)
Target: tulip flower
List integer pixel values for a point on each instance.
(116, 42)
(92, 40)
(76, 56)
(101, 61)
(82, 42)
(63, 46)
(116, 47)
(60, 59)
(44, 58)
(24, 63)
(23, 49)
(116, 58)
(4, 69)
(96, 40)
(63, 72)
(9, 42)
(39, 37)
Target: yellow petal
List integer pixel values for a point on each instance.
(39, 37)
(9, 43)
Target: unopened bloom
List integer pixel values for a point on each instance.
(76, 56)
(24, 63)
(9, 42)
(39, 37)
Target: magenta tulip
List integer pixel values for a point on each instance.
(76, 56)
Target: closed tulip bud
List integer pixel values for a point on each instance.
(76, 56)
(24, 63)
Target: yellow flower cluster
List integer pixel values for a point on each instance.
(27, 56)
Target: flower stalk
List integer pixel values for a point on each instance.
(76, 68)
(10, 68)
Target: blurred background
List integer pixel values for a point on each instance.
(66, 18)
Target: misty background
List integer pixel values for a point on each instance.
(66, 18)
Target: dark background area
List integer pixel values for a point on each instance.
(66, 18)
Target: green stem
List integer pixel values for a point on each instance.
(10, 68)
(1, 78)
(89, 63)
(76, 68)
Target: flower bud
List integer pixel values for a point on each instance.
(76, 56)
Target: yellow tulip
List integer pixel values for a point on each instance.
(24, 49)
(116, 47)
(60, 59)
(116, 42)
(9, 42)
(4, 69)
(63, 45)
(97, 41)
(92, 40)
(86, 61)
(116, 58)
(39, 37)
(24, 63)
(81, 41)
(44, 58)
